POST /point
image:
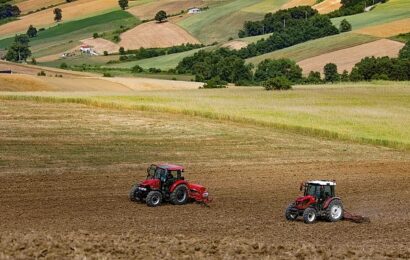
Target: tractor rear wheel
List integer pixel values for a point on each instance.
(180, 195)
(309, 215)
(154, 198)
(291, 213)
(335, 210)
(132, 195)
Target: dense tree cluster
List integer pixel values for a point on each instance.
(219, 65)
(8, 11)
(161, 16)
(278, 22)
(268, 69)
(19, 50)
(123, 4)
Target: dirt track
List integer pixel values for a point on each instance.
(65, 171)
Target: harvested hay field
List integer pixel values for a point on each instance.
(346, 59)
(148, 11)
(387, 29)
(31, 6)
(27, 83)
(154, 84)
(327, 6)
(71, 11)
(65, 171)
(33, 70)
(155, 35)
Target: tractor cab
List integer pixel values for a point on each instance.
(320, 190)
(165, 171)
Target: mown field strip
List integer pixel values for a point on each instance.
(364, 113)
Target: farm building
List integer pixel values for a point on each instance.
(88, 49)
(194, 10)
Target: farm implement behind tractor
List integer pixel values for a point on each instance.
(319, 201)
(166, 183)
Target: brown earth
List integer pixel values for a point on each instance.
(148, 11)
(155, 35)
(345, 59)
(66, 169)
(327, 6)
(71, 11)
(387, 29)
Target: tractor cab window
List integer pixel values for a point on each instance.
(327, 191)
(312, 190)
(151, 172)
(160, 173)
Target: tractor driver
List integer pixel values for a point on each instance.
(167, 179)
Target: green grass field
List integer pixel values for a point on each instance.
(390, 11)
(315, 47)
(66, 35)
(221, 21)
(375, 113)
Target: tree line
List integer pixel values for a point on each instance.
(222, 66)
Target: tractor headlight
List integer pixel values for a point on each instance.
(142, 188)
(205, 195)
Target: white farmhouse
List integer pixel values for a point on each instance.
(194, 10)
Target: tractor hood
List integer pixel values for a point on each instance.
(153, 183)
(197, 188)
(304, 198)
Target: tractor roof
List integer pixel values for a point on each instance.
(170, 167)
(322, 182)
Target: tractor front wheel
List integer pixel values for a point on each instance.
(309, 215)
(132, 195)
(291, 213)
(154, 198)
(180, 195)
(335, 211)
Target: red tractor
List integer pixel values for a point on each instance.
(165, 182)
(318, 201)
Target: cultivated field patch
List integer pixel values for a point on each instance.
(30, 6)
(155, 35)
(345, 59)
(74, 10)
(327, 6)
(387, 29)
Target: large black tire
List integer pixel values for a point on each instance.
(291, 214)
(180, 195)
(132, 194)
(334, 211)
(154, 198)
(309, 215)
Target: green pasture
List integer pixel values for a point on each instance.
(375, 113)
(390, 11)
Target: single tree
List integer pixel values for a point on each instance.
(345, 76)
(314, 78)
(32, 31)
(19, 50)
(161, 16)
(123, 4)
(121, 51)
(345, 26)
(277, 83)
(58, 14)
(331, 74)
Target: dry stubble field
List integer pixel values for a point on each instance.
(65, 170)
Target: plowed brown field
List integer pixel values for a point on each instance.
(65, 171)
(345, 59)
(387, 29)
(155, 35)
